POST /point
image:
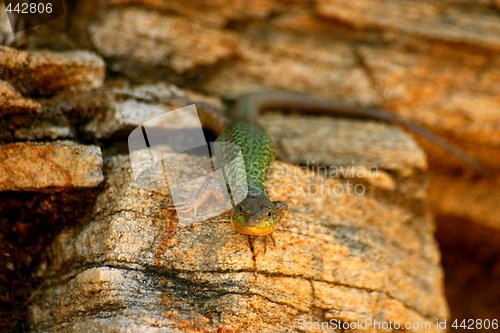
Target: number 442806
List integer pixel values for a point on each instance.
(29, 8)
(475, 324)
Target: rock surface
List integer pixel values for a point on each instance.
(160, 45)
(467, 117)
(121, 108)
(336, 256)
(12, 102)
(124, 260)
(49, 166)
(45, 72)
(414, 70)
(418, 19)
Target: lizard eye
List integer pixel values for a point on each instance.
(269, 213)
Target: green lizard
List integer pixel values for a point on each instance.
(257, 215)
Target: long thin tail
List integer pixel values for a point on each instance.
(249, 106)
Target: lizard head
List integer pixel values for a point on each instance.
(257, 216)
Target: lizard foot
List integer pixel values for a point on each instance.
(211, 188)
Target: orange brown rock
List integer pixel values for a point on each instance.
(54, 166)
(46, 72)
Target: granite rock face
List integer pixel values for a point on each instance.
(418, 19)
(30, 166)
(12, 102)
(415, 70)
(26, 76)
(46, 181)
(167, 45)
(336, 256)
(84, 249)
(45, 72)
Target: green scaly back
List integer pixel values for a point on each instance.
(257, 151)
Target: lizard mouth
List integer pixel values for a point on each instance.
(253, 224)
(262, 230)
(259, 222)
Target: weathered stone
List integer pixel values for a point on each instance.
(332, 72)
(328, 141)
(125, 115)
(435, 63)
(28, 223)
(119, 109)
(371, 75)
(215, 13)
(11, 101)
(419, 19)
(47, 124)
(142, 38)
(352, 256)
(437, 94)
(56, 166)
(44, 127)
(46, 72)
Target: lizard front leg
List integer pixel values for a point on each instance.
(211, 188)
